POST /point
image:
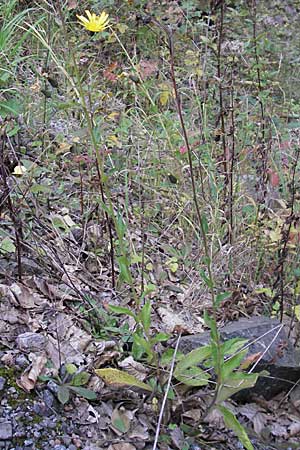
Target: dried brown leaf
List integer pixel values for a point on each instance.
(134, 368)
(28, 379)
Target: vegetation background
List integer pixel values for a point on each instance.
(149, 189)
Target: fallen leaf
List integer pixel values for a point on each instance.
(147, 68)
(119, 378)
(294, 429)
(72, 4)
(134, 368)
(121, 419)
(122, 446)
(172, 320)
(28, 379)
(26, 297)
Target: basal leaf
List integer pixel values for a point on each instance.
(63, 394)
(122, 379)
(84, 392)
(232, 423)
(80, 379)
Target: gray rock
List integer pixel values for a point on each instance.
(66, 439)
(59, 447)
(2, 383)
(6, 430)
(53, 387)
(31, 342)
(48, 398)
(266, 337)
(21, 361)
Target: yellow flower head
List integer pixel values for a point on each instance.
(93, 22)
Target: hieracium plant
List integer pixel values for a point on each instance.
(225, 358)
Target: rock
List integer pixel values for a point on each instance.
(2, 383)
(6, 431)
(48, 398)
(52, 386)
(31, 342)
(21, 361)
(268, 338)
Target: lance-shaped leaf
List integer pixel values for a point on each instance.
(118, 378)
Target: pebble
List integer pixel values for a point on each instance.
(52, 386)
(59, 447)
(2, 383)
(48, 398)
(21, 361)
(6, 431)
(66, 439)
(31, 342)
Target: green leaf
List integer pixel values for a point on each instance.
(206, 279)
(193, 376)
(80, 379)
(160, 337)
(193, 358)
(204, 223)
(122, 310)
(232, 363)
(124, 269)
(7, 246)
(145, 315)
(235, 383)
(143, 344)
(167, 357)
(38, 188)
(71, 368)
(63, 394)
(221, 297)
(121, 379)
(121, 227)
(83, 392)
(232, 423)
(233, 345)
(120, 420)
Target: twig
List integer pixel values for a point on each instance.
(166, 395)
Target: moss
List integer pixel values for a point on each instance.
(10, 374)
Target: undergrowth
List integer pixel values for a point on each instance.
(157, 158)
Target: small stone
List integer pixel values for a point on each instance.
(2, 383)
(72, 447)
(28, 442)
(48, 398)
(6, 431)
(52, 386)
(12, 390)
(60, 447)
(31, 342)
(66, 439)
(21, 361)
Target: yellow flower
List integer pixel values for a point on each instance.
(93, 22)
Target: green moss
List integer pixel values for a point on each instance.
(10, 374)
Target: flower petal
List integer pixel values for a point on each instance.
(88, 14)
